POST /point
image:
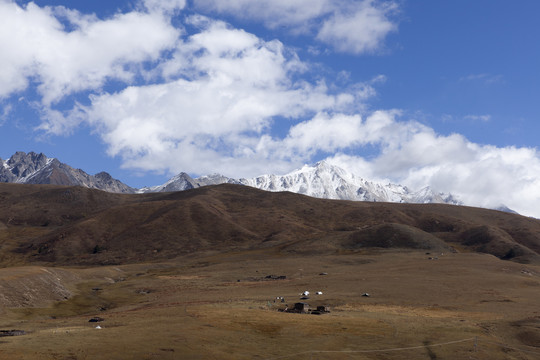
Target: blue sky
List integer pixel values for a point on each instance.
(438, 93)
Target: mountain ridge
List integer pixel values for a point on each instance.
(323, 180)
(327, 181)
(32, 168)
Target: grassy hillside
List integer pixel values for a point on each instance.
(195, 275)
(72, 225)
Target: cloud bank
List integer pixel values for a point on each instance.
(62, 51)
(347, 26)
(202, 96)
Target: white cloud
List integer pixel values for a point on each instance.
(273, 14)
(323, 133)
(482, 175)
(5, 111)
(481, 118)
(36, 46)
(347, 25)
(358, 29)
(226, 91)
(164, 6)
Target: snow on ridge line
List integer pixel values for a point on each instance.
(323, 180)
(38, 171)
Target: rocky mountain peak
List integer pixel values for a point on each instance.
(105, 176)
(22, 164)
(33, 168)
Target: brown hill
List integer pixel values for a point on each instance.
(235, 250)
(76, 226)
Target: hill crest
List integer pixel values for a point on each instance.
(77, 226)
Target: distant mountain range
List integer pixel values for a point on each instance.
(322, 180)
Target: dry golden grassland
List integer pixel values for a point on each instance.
(182, 275)
(218, 307)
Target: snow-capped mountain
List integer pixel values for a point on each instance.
(322, 180)
(183, 181)
(35, 168)
(332, 182)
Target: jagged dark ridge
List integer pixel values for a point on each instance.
(35, 168)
